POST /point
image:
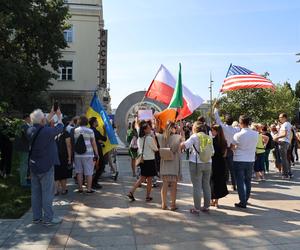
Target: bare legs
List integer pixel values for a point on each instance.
(133, 167)
(61, 186)
(164, 191)
(89, 182)
(138, 183)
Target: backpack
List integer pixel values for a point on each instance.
(80, 147)
(206, 150)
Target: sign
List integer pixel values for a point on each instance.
(145, 114)
(103, 59)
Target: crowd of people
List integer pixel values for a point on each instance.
(236, 151)
(58, 150)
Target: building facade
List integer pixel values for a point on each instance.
(83, 66)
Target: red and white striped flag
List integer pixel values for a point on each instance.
(241, 78)
(162, 88)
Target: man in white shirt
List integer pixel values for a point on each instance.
(244, 148)
(229, 132)
(284, 139)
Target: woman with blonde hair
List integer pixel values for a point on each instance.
(170, 168)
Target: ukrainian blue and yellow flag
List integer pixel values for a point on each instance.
(96, 110)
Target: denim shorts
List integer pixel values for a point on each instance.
(84, 165)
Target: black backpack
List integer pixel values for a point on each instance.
(80, 147)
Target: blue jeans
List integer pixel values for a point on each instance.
(42, 193)
(243, 174)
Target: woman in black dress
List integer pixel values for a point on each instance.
(63, 171)
(218, 176)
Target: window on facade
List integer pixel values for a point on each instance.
(68, 35)
(66, 70)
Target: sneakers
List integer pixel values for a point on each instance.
(97, 186)
(53, 222)
(37, 221)
(90, 191)
(240, 205)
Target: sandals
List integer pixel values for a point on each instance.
(149, 198)
(164, 208)
(130, 196)
(194, 211)
(174, 208)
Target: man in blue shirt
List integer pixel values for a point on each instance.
(43, 157)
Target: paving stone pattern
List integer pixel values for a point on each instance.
(107, 220)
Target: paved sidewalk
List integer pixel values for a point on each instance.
(107, 220)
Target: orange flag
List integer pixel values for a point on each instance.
(165, 116)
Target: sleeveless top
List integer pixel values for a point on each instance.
(260, 145)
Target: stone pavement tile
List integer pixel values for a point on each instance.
(36, 239)
(205, 244)
(289, 237)
(27, 247)
(126, 247)
(59, 241)
(107, 230)
(179, 246)
(289, 246)
(99, 241)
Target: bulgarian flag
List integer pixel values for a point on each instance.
(162, 89)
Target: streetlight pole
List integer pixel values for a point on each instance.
(210, 92)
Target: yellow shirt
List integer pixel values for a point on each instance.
(260, 148)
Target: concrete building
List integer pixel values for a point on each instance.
(84, 63)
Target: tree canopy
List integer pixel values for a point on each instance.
(262, 105)
(31, 39)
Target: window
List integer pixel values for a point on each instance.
(68, 35)
(66, 71)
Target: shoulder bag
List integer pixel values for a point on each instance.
(140, 159)
(31, 163)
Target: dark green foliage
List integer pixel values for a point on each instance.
(297, 89)
(31, 39)
(15, 200)
(262, 105)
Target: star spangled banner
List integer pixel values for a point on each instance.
(241, 78)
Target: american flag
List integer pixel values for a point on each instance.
(241, 78)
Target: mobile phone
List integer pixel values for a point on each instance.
(55, 106)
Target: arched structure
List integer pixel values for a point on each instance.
(128, 107)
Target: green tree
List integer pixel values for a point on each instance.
(262, 105)
(31, 39)
(297, 89)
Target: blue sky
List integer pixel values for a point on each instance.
(205, 36)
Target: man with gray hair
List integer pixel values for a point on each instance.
(42, 158)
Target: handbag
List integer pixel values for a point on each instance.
(166, 154)
(140, 159)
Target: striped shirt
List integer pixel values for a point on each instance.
(88, 135)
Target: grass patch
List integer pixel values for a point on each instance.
(14, 199)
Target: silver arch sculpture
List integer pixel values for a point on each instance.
(125, 109)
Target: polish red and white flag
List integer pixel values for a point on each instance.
(162, 88)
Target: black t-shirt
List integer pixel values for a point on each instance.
(99, 137)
